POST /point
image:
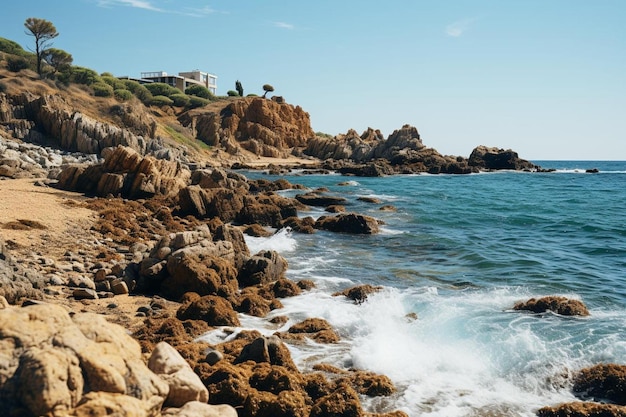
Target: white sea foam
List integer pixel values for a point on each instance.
(281, 242)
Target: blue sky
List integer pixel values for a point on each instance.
(546, 78)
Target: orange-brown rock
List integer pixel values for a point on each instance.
(582, 409)
(370, 383)
(358, 293)
(264, 127)
(343, 402)
(125, 172)
(603, 382)
(314, 328)
(560, 305)
(216, 311)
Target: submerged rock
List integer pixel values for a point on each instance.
(560, 305)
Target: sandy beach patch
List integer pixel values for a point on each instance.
(41, 218)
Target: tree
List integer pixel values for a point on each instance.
(239, 88)
(57, 58)
(267, 88)
(43, 31)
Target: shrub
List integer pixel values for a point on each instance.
(161, 101)
(114, 82)
(161, 89)
(106, 74)
(195, 102)
(131, 85)
(122, 94)
(252, 95)
(180, 99)
(199, 91)
(101, 89)
(11, 47)
(143, 94)
(232, 93)
(85, 76)
(18, 63)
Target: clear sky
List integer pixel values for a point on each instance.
(546, 78)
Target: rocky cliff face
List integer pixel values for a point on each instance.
(264, 127)
(50, 119)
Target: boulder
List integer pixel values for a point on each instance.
(262, 268)
(484, 157)
(214, 310)
(560, 305)
(184, 384)
(348, 223)
(359, 293)
(54, 362)
(199, 409)
(316, 199)
(212, 202)
(343, 402)
(314, 328)
(126, 173)
(603, 382)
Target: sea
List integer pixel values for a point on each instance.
(458, 253)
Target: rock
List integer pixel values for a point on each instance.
(267, 349)
(184, 384)
(18, 283)
(370, 384)
(263, 268)
(316, 329)
(581, 409)
(359, 293)
(344, 402)
(85, 294)
(125, 172)
(348, 223)
(484, 157)
(315, 199)
(205, 275)
(199, 409)
(335, 209)
(300, 225)
(216, 311)
(214, 202)
(559, 305)
(112, 404)
(603, 382)
(257, 230)
(371, 200)
(284, 288)
(54, 363)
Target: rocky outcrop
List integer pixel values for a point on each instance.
(486, 158)
(126, 173)
(359, 293)
(264, 127)
(403, 152)
(348, 223)
(50, 119)
(559, 305)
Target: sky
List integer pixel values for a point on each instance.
(546, 78)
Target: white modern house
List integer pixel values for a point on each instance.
(182, 80)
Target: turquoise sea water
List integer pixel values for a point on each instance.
(459, 252)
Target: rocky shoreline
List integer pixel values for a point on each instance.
(103, 318)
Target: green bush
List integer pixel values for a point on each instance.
(17, 63)
(114, 82)
(85, 76)
(232, 93)
(143, 94)
(131, 85)
(12, 48)
(252, 95)
(180, 99)
(106, 74)
(122, 94)
(199, 91)
(161, 89)
(195, 101)
(101, 89)
(161, 101)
